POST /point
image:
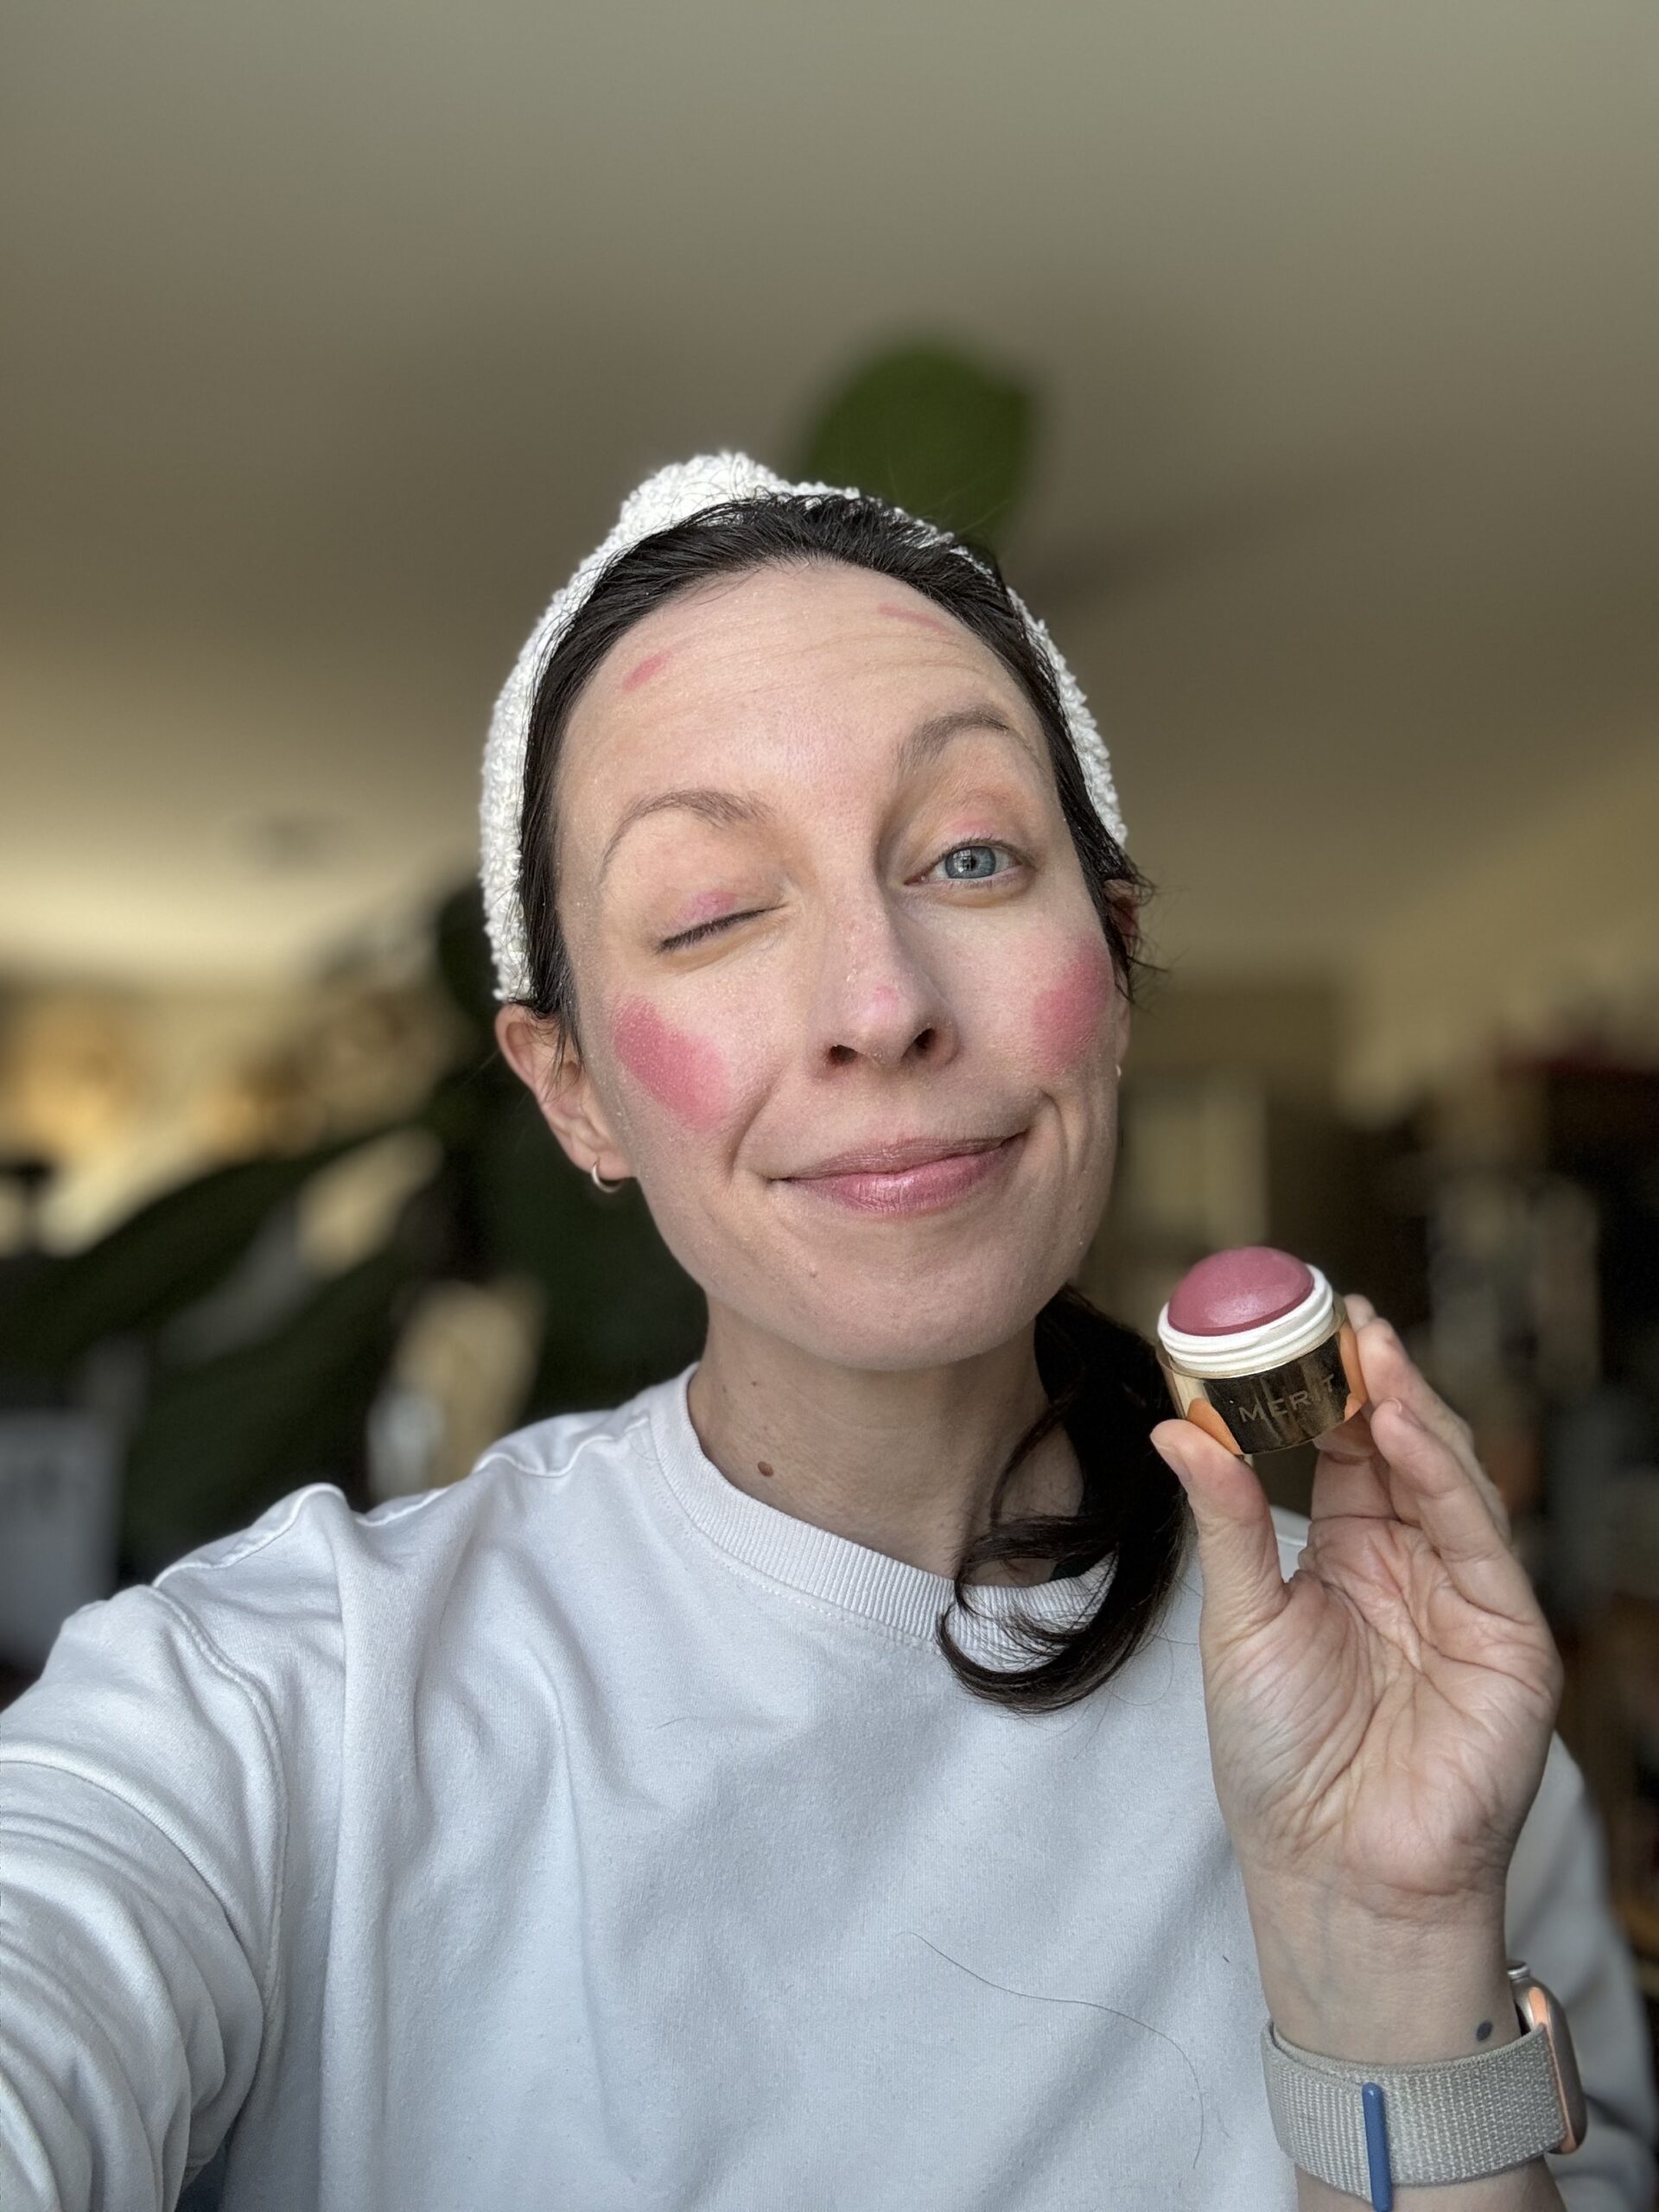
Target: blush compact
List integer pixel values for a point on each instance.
(1258, 1350)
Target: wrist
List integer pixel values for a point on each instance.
(1389, 1991)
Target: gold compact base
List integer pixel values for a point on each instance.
(1293, 1404)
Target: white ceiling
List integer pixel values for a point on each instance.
(334, 334)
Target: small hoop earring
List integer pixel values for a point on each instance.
(599, 1184)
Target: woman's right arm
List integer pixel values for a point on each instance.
(142, 1822)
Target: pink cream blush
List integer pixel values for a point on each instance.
(643, 670)
(1066, 1017)
(1244, 1288)
(683, 1073)
(913, 615)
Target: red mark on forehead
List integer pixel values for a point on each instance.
(680, 1072)
(913, 614)
(1067, 1015)
(643, 670)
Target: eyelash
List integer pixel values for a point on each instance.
(685, 937)
(704, 928)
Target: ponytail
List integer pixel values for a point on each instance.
(1105, 1388)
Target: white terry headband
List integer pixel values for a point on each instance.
(672, 495)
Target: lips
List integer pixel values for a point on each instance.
(920, 1175)
(891, 1159)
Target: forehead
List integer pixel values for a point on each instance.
(787, 658)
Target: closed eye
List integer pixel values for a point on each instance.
(973, 874)
(706, 929)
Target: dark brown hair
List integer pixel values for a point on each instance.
(1102, 1380)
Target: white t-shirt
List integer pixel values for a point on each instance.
(593, 1835)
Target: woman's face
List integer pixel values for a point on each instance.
(829, 930)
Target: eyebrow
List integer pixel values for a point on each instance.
(723, 809)
(929, 738)
(727, 809)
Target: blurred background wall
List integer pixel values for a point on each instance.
(1301, 362)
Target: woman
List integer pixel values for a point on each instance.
(886, 1765)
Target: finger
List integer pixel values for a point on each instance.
(1350, 1478)
(1435, 1490)
(1390, 1371)
(1350, 1474)
(1238, 1545)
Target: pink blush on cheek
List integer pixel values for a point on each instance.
(1066, 1016)
(682, 1072)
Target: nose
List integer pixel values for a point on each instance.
(877, 1000)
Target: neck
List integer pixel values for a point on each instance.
(903, 1461)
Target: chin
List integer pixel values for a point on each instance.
(888, 1327)
(888, 1299)
(891, 1354)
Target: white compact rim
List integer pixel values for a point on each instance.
(1251, 1352)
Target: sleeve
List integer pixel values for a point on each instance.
(1559, 1920)
(142, 1835)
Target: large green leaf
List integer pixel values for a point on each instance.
(621, 1311)
(462, 957)
(221, 1441)
(934, 432)
(161, 1259)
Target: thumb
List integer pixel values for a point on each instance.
(1238, 1545)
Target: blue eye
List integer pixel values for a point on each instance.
(971, 863)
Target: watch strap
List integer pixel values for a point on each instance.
(1448, 2121)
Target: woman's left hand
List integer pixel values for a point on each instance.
(1378, 1723)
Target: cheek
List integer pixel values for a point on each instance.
(681, 1071)
(1067, 1016)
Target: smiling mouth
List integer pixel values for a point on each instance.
(920, 1176)
(894, 1159)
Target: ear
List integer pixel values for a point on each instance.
(543, 1056)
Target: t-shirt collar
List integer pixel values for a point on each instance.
(904, 1599)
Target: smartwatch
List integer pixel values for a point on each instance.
(1369, 2130)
